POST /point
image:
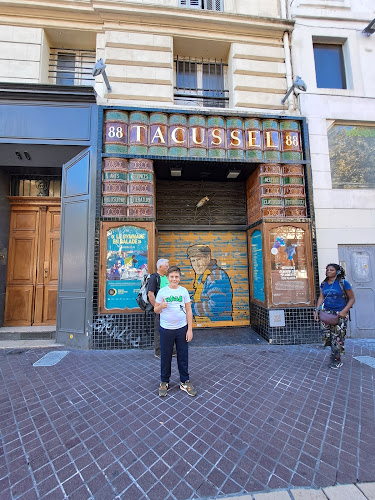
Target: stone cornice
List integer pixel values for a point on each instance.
(117, 14)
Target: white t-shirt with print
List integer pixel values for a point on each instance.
(174, 315)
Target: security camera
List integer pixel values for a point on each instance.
(300, 84)
(98, 68)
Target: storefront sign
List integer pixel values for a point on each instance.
(125, 266)
(289, 276)
(135, 132)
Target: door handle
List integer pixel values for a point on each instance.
(45, 273)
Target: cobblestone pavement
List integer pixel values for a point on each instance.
(266, 419)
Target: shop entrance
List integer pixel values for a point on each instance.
(32, 275)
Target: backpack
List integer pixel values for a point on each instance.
(142, 297)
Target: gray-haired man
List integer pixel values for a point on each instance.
(157, 280)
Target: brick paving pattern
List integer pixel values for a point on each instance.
(265, 418)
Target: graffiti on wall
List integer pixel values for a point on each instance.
(214, 269)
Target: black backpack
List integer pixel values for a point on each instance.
(142, 297)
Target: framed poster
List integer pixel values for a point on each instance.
(290, 256)
(257, 269)
(126, 255)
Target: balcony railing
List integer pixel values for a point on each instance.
(200, 83)
(71, 67)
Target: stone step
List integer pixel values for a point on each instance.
(27, 332)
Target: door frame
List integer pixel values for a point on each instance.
(40, 205)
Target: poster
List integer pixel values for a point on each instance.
(257, 265)
(289, 277)
(126, 264)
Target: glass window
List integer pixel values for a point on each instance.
(329, 66)
(351, 154)
(65, 69)
(71, 67)
(200, 83)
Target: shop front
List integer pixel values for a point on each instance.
(227, 199)
(48, 150)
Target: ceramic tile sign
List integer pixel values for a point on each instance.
(125, 266)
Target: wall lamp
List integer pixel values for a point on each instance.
(233, 174)
(176, 171)
(297, 84)
(99, 69)
(370, 28)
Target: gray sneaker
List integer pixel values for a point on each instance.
(188, 387)
(163, 388)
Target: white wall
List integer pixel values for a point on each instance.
(343, 216)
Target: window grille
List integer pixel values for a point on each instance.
(43, 185)
(71, 67)
(203, 4)
(200, 83)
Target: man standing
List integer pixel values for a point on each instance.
(157, 281)
(213, 294)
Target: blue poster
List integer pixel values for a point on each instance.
(127, 248)
(257, 264)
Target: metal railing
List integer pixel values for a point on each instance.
(43, 185)
(200, 83)
(71, 67)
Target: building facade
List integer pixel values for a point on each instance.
(190, 152)
(333, 50)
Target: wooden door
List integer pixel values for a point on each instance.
(31, 293)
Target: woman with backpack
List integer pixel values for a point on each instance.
(336, 298)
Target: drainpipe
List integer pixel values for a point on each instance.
(288, 68)
(283, 9)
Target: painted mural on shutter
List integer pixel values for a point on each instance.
(214, 266)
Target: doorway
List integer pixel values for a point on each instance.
(359, 264)
(32, 274)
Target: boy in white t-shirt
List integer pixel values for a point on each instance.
(176, 320)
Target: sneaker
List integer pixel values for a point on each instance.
(157, 356)
(336, 365)
(188, 387)
(163, 388)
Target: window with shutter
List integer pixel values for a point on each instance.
(193, 4)
(213, 5)
(203, 4)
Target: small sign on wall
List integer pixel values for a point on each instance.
(277, 317)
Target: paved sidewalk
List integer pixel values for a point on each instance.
(267, 420)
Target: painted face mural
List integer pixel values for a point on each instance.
(215, 270)
(213, 295)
